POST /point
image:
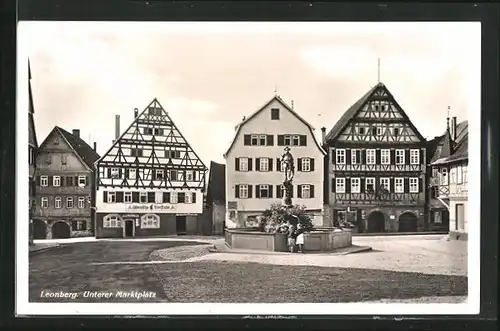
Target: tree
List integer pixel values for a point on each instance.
(277, 214)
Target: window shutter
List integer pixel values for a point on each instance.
(270, 191)
(120, 173)
(312, 164)
(406, 183)
(135, 197)
(363, 156)
(270, 140)
(126, 173)
(237, 164)
(246, 140)
(347, 185)
(299, 191)
(270, 164)
(250, 163)
(281, 140)
(334, 156)
(333, 185)
(105, 196)
(193, 197)
(250, 191)
(38, 180)
(278, 164)
(119, 196)
(348, 156)
(87, 182)
(420, 188)
(393, 156)
(257, 164)
(151, 197)
(299, 164)
(358, 156)
(109, 173)
(166, 197)
(421, 154)
(362, 185)
(377, 156)
(278, 192)
(257, 191)
(303, 140)
(312, 191)
(236, 191)
(407, 156)
(181, 197)
(63, 180)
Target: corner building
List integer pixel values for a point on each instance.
(150, 182)
(376, 167)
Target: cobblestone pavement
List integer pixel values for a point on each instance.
(424, 254)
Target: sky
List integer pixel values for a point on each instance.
(208, 76)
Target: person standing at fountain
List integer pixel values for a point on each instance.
(292, 234)
(300, 238)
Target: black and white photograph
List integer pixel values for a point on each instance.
(248, 167)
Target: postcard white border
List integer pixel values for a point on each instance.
(24, 307)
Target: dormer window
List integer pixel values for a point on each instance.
(275, 114)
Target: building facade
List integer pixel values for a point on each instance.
(254, 174)
(437, 214)
(64, 186)
(216, 198)
(376, 167)
(450, 180)
(32, 150)
(150, 182)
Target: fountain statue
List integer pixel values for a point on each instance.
(289, 171)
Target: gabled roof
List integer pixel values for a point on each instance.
(352, 111)
(216, 190)
(459, 149)
(155, 101)
(87, 155)
(283, 103)
(31, 110)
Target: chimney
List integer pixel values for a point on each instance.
(454, 128)
(136, 112)
(323, 134)
(117, 127)
(76, 133)
(95, 146)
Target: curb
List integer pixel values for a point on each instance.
(359, 249)
(391, 234)
(44, 249)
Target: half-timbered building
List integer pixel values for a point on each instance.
(32, 150)
(449, 183)
(376, 161)
(150, 182)
(254, 173)
(64, 186)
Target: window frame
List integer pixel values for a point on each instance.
(44, 202)
(340, 154)
(401, 156)
(296, 140)
(174, 198)
(44, 179)
(264, 188)
(305, 188)
(264, 161)
(243, 164)
(414, 156)
(399, 188)
(385, 155)
(414, 184)
(127, 196)
(130, 172)
(112, 221)
(189, 175)
(69, 201)
(384, 181)
(58, 202)
(143, 195)
(80, 178)
(355, 188)
(111, 197)
(188, 197)
(150, 221)
(340, 185)
(56, 181)
(275, 114)
(81, 202)
(115, 173)
(354, 156)
(370, 181)
(243, 188)
(370, 157)
(306, 164)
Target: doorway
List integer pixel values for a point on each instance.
(376, 222)
(61, 230)
(129, 228)
(459, 217)
(180, 224)
(39, 229)
(407, 222)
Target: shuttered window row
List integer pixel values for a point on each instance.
(377, 156)
(268, 140)
(244, 164)
(268, 191)
(376, 185)
(148, 197)
(64, 181)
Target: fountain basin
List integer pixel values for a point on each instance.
(322, 240)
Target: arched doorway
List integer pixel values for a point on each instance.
(39, 229)
(60, 230)
(407, 222)
(376, 222)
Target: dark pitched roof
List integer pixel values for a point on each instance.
(283, 103)
(460, 148)
(86, 153)
(216, 191)
(357, 106)
(31, 110)
(434, 147)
